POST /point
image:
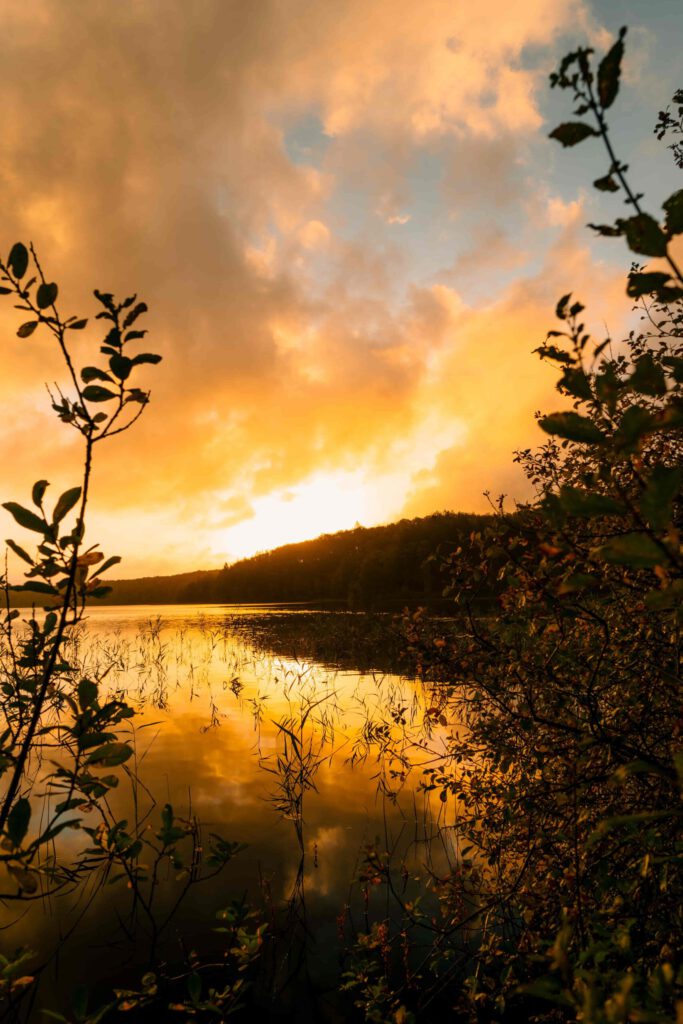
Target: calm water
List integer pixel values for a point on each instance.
(220, 693)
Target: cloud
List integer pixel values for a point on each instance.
(304, 336)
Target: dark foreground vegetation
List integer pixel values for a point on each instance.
(563, 712)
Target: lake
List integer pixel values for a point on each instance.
(280, 728)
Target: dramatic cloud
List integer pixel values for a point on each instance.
(336, 216)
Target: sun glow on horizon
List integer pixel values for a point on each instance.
(325, 503)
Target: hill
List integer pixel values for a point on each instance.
(376, 567)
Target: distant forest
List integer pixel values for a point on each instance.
(379, 567)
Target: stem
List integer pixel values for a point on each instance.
(48, 671)
(617, 168)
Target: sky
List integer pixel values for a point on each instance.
(350, 229)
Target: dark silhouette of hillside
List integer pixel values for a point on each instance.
(363, 568)
(382, 567)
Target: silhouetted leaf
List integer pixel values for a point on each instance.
(27, 329)
(645, 284)
(145, 357)
(609, 71)
(194, 987)
(635, 424)
(29, 520)
(18, 259)
(644, 235)
(572, 426)
(110, 754)
(19, 551)
(77, 325)
(36, 587)
(576, 383)
(674, 213)
(46, 295)
(675, 363)
(633, 549)
(89, 373)
(572, 132)
(18, 821)
(114, 560)
(87, 693)
(134, 314)
(608, 230)
(661, 488)
(94, 393)
(606, 184)
(66, 503)
(38, 492)
(120, 366)
(577, 502)
(647, 377)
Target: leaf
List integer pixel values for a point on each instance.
(576, 383)
(36, 587)
(27, 329)
(120, 366)
(18, 259)
(633, 549)
(635, 424)
(561, 307)
(29, 520)
(135, 312)
(647, 377)
(65, 504)
(606, 184)
(194, 987)
(38, 492)
(674, 213)
(661, 488)
(675, 363)
(644, 235)
(110, 754)
(46, 295)
(572, 132)
(607, 230)
(19, 551)
(87, 694)
(79, 1002)
(572, 426)
(26, 880)
(645, 284)
(114, 560)
(145, 357)
(18, 821)
(89, 373)
(94, 393)
(575, 583)
(555, 353)
(609, 71)
(77, 325)
(588, 504)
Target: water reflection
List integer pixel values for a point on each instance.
(308, 762)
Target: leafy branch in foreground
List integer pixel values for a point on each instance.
(566, 762)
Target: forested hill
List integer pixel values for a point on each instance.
(378, 567)
(362, 567)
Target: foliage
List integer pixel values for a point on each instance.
(64, 745)
(566, 759)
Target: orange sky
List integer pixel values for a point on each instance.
(351, 232)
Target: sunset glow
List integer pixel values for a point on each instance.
(350, 232)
